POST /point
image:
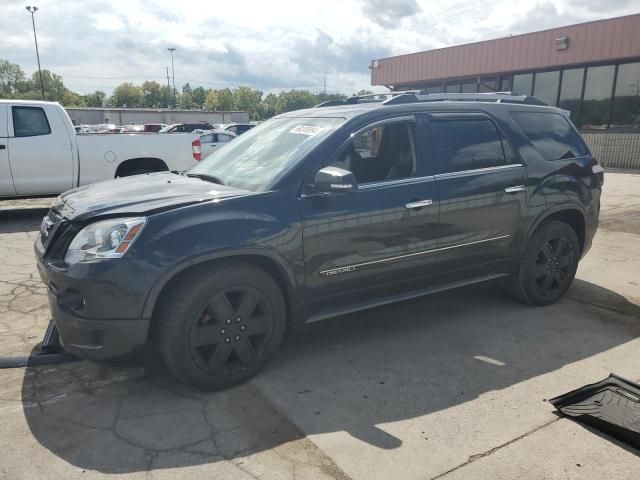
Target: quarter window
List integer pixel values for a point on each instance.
(385, 152)
(551, 134)
(29, 122)
(467, 144)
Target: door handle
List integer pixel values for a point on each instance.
(419, 204)
(517, 188)
(2, 147)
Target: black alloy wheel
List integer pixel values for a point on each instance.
(554, 262)
(220, 324)
(229, 332)
(547, 266)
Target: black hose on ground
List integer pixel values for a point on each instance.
(37, 360)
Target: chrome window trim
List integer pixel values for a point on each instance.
(400, 181)
(352, 268)
(464, 173)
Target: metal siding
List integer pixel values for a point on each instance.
(613, 39)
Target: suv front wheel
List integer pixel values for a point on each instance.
(548, 265)
(220, 325)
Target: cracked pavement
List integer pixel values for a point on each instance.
(452, 386)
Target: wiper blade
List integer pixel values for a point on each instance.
(206, 178)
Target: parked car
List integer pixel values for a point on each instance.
(186, 127)
(154, 127)
(212, 140)
(40, 152)
(132, 128)
(239, 128)
(316, 213)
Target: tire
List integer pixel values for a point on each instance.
(220, 325)
(548, 265)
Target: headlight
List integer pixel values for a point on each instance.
(105, 239)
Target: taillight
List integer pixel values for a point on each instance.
(196, 148)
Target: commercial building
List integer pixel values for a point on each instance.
(126, 116)
(590, 69)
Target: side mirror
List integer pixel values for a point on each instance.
(334, 179)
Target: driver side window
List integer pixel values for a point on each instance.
(380, 153)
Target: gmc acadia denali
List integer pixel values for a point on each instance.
(316, 213)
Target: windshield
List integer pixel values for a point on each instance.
(257, 158)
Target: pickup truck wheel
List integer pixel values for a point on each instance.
(220, 326)
(548, 265)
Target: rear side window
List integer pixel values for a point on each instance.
(551, 134)
(467, 144)
(29, 122)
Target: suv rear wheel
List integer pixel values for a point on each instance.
(220, 326)
(548, 265)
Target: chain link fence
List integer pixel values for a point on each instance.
(615, 150)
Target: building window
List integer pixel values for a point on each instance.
(434, 88)
(488, 84)
(571, 91)
(452, 88)
(597, 97)
(470, 87)
(522, 84)
(626, 103)
(546, 87)
(505, 83)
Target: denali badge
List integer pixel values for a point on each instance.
(337, 271)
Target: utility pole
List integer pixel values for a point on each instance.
(168, 89)
(33, 10)
(173, 75)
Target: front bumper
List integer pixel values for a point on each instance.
(98, 339)
(93, 317)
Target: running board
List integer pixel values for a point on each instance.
(611, 406)
(401, 297)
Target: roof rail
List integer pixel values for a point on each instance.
(497, 97)
(366, 98)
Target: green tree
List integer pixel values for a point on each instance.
(295, 100)
(269, 106)
(211, 102)
(248, 100)
(11, 76)
(95, 99)
(198, 96)
(72, 99)
(152, 96)
(127, 95)
(226, 100)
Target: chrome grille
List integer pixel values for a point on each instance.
(49, 226)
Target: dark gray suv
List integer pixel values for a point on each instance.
(317, 213)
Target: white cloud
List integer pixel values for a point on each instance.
(278, 44)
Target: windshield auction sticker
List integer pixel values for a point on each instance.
(306, 130)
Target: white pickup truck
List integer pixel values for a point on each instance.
(40, 152)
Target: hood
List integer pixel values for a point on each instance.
(140, 194)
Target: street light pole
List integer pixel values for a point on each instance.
(173, 76)
(33, 10)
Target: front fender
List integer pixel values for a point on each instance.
(286, 269)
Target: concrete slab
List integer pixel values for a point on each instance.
(450, 386)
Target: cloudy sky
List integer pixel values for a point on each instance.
(266, 44)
